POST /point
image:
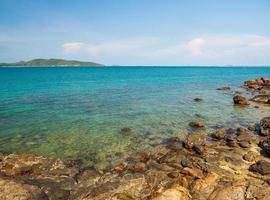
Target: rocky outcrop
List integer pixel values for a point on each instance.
(227, 164)
(260, 84)
(240, 100)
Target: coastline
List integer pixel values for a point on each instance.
(223, 165)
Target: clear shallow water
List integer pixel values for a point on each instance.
(77, 113)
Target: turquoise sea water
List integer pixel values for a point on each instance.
(77, 113)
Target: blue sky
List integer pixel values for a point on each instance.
(137, 32)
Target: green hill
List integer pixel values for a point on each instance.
(51, 63)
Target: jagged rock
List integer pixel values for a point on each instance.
(265, 126)
(240, 100)
(120, 167)
(262, 167)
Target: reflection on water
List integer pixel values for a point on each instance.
(77, 113)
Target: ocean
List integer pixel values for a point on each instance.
(77, 114)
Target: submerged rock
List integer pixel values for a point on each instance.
(196, 124)
(224, 88)
(240, 100)
(198, 99)
(125, 130)
(265, 99)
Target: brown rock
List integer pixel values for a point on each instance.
(173, 174)
(265, 126)
(240, 100)
(205, 186)
(250, 156)
(120, 167)
(138, 167)
(196, 124)
(176, 192)
(12, 190)
(262, 167)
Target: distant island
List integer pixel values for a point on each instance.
(51, 63)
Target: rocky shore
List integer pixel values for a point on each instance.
(227, 164)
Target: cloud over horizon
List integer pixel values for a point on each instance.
(237, 49)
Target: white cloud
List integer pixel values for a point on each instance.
(202, 50)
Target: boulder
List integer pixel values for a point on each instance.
(262, 167)
(265, 126)
(240, 100)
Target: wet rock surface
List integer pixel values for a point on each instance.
(240, 100)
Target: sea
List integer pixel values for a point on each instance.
(77, 113)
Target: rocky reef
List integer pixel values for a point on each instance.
(231, 163)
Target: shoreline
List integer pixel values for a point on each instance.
(225, 164)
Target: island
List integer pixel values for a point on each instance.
(51, 63)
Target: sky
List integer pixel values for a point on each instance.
(137, 32)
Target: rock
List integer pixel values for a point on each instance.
(176, 192)
(219, 134)
(194, 139)
(198, 99)
(244, 144)
(224, 88)
(232, 143)
(265, 145)
(240, 100)
(12, 190)
(144, 157)
(265, 126)
(138, 167)
(125, 130)
(196, 124)
(120, 167)
(198, 149)
(205, 186)
(191, 172)
(250, 156)
(186, 163)
(234, 192)
(262, 167)
(173, 174)
(265, 99)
